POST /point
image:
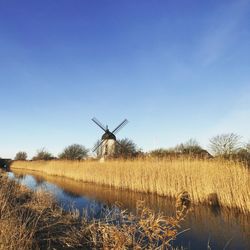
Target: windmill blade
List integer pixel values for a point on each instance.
(98, 124)
(97, 146)
(120, 126)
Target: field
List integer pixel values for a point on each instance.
(227, 180)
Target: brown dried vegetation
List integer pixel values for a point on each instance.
(229, 180)
(33, 220)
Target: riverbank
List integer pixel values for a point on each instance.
(217, 182)
(33, 220)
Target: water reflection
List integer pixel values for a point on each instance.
(215, 226)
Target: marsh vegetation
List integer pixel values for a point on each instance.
(33, 220)
(218, 226)
(226, 180)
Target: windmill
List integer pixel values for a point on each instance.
(108, 140)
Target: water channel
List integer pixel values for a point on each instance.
(220, 229)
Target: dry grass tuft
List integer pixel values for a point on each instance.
(145, 230)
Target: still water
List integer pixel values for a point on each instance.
(219, 229)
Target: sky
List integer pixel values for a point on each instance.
(175, 69)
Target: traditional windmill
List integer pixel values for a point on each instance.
(108, 141)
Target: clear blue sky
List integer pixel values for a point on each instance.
(175, 69)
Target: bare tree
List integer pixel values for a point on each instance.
(43, 154)
(74, 152)
(21, 156)
(189, 147)
(225, 144)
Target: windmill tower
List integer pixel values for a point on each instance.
(108, 141)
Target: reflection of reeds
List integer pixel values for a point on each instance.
(32, 220)
(105, 194)
(200, 178)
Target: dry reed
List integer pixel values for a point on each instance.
(166, 177)
(33, 220)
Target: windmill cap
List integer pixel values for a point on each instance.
(108, 136)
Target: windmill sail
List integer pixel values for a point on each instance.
(120, 126)
(98, 124)
(98, 145)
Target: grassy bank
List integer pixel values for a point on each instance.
(33, 220)
(228, 180)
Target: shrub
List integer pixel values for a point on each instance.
(21, 156)
(74, 152)
(241, 155)
(247, 147)
(126, 148)
(161, 152)
(189, 148)
(42, 154)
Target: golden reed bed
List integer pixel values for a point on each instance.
(167, 177)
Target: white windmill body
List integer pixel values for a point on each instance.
(108, 142)
(108, 148)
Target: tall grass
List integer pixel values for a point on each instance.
(166, 177)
